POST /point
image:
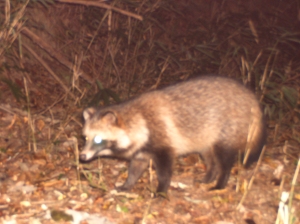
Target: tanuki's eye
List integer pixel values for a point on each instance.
(98, 140)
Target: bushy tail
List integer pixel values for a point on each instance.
(256, 140)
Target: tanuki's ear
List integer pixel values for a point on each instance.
(88, 113)
(110, 118)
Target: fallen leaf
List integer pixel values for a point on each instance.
(40, 124)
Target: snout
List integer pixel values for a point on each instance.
(83, 157)
(86, 154)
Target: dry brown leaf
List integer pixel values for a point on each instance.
(41, 162)
(40, 124)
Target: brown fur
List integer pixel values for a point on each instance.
(211, 115)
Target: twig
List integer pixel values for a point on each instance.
(294, 182)
(74, 139)
(166, 64)
(30, 121)
(252, 178)
(114, 64)
(13, 25)
(146, 212)
(105, 6)
(7, 12)
(253, 128)
(151, 177)
(256, 167)
(52, 105)
(50, 71)
(67, 120)
(54, 53)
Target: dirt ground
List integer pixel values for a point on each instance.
(40, 135)
(33, 183)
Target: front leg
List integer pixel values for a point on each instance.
(138, 164)
(163, 159)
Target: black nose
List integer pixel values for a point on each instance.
(82, 157)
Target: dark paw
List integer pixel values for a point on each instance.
(122, 188)
(215, 188)
(162, 195)
(204, 181)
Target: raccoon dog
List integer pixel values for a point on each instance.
(211, 115)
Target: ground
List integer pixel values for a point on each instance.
(35, 181)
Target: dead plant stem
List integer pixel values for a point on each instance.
(50, 71)
(256, 167)
(77, 161)
(105, 6)
(52, 52)
(252, 178)
(30, 121)
(294, 182)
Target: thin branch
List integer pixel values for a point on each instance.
(105, 6)
(53, 53)
(50, 71)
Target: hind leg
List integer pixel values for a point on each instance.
(211, 172)
(224, 159)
